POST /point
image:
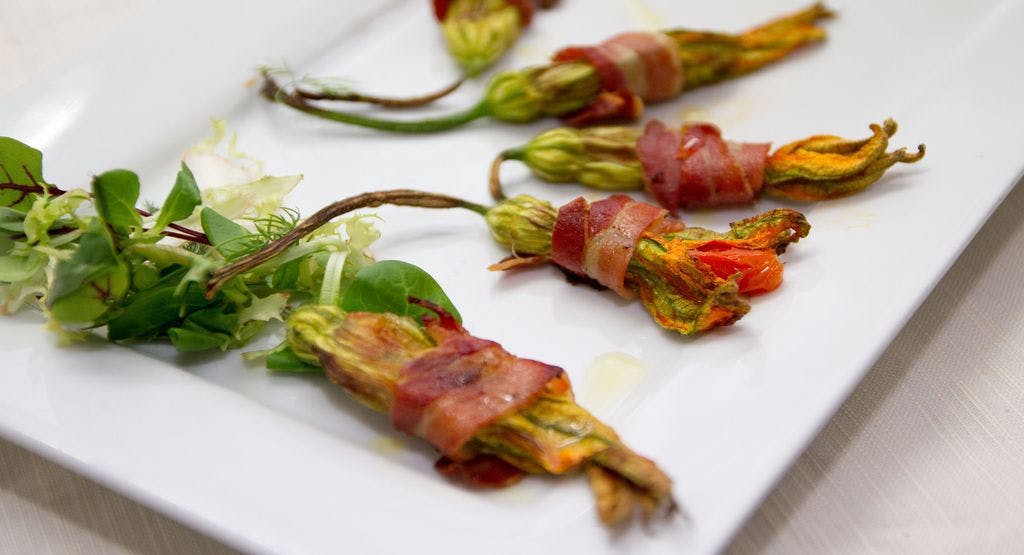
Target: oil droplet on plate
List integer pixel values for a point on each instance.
(645, 15)
(387, 445)
(694, 113)
(533, 52)
(610, 379)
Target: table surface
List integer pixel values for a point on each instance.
(927, 454)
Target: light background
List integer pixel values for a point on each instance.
(927, 455)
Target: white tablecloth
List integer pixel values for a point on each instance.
(927, 455)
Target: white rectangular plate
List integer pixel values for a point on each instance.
(284, 463)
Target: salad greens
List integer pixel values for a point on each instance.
(142, 275)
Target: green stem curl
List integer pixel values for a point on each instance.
(273, 92)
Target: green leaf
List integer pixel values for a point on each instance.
(20, 165)
(11, 220)
(286, 276)
(208, 328)
(14, 268)
(386, 287)
(246, 331)
(214, 320)
(182, 200)
(149, 312)
(285, 360)
(264, 309)
(90, 281)
(93, 258)
(225, 235)
(89, 304)
(187, 339)
(116, 193)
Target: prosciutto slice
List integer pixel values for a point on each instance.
(463, 384)
(597, 240)
(694, 167)
(525, 6)
(632, 68)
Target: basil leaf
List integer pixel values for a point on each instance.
(225, 235)
(93, 258)
(22, 165)
(182, 200)
(285, 360)
(386, 287)
(115, 193)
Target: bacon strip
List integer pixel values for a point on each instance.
(569, 237)
(657, 148)
(441, 8)
(598, 240)
(633, 68)
(658, 73)
(481, 471)
(462, 385)
(696, 168)
(525, 7)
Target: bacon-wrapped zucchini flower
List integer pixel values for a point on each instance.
(609, 81)
(493, 416)
(694, 167)
(689, 279)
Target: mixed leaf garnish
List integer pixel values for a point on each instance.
(92, 258)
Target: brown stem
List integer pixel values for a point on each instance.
(183, 232)
(193, 235)
(397, 197)
(10, 186)
(387, 101)
(494, 179)
(55, 231)
(186, 237)
(36, 187)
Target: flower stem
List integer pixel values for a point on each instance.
(386, 101)
(494, 177)
(396, 197)
(271, 91)
(182, 231)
